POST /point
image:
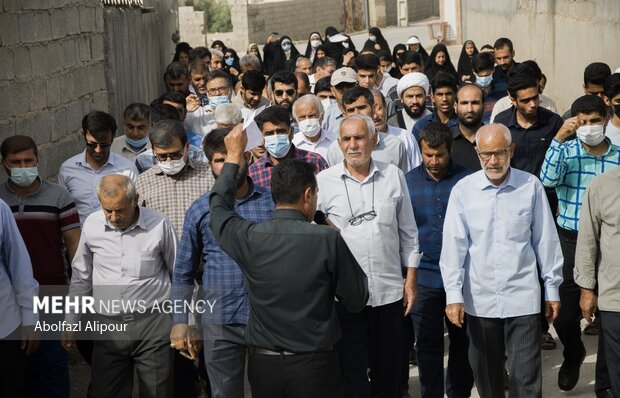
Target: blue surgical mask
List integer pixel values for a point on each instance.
(218, 100)
(484, 81)
(277, 145)
(286, 47)
(24, 176)
(229, 61)
(137, 143)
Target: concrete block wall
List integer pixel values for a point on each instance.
(563, 36)
(422, 9)
(51, 73)
(192, 26)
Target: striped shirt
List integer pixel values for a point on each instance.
(42, 217)
(569, 168)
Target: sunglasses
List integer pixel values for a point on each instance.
(94, 145)
(290, 92)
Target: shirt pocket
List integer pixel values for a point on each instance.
(518, 227)
(144, 265)
(386, 212)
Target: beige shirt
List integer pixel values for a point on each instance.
(133, 265)
(120, 146)
(596, 258)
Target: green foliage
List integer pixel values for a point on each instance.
(217, 14)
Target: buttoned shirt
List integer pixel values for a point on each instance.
(497, 240)
(464, 151)
(321, 146)
(173, 194)
(412, 148)
(429, 199)
(389, 149)
(433, 117)
(331, 122)
(569, 167)
(222, 279)
(612, 132)
(120, 146)
(260, 171)
(530, 144)
(131, 265)
(17, 286)
(380, 245)
(596, 257)
(81, 180)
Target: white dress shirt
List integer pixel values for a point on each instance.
(411, 145)
(379, 245)
(321, 146)
(389, 149)
(496, 242)
(130, 265)
(81, 180)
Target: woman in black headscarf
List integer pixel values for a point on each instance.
(439, 60)
(399, 49)
(314, 41)
(289, 52)
(375, 37)
(332, 49)
(181, 53)
(231, 64)
(415, 44)
(464, 68)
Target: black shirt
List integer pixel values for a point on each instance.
(464, 152)
(293, 269)
(531, 143)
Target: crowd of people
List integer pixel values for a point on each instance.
(338, 210)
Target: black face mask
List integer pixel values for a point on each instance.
(617, 110)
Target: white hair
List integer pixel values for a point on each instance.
(370, 125)
(494, 128)
(217, 52)
(111, 189)
(249, 59)
(227, 114)
(308, 98)
(299, 60)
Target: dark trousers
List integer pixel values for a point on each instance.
(145, 347)
(314, 375)
(225, 354)
(12, 366)
(48, 371)
(372, 339)
(610, 326)
(429, 318)
(491, 340)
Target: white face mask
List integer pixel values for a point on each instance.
(315, 43)
(591, 135)
(310, 127)
(327, 102)
(345, 44)
(372, 38)
(172, 167)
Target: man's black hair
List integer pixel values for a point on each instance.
(99, 124)
(253, 80)
(385, 56)
(175, 70)
(520, 81)
(164, 112)
(174, 96)
(352, 95)
(596, 73)
(289, 181)
(409, 57)
(435, 135)
(274, 115)
(587, 104)
(501, 42)
(323, 84)
(612, 86)
(219, 74)
(284, 77)
(163, 133)
(443, 79)
(199, 52)
(367, 62)
(482, 61)
(137, 111)
(214, 142)
(529, 67)
(325, 62)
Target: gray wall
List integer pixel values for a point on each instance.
(563, 36)
(423, 9)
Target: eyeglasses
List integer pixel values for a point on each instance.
(290, 92)
(94, 145)
(367, 216)
(162, 157)
(498, 154)
(218, 90)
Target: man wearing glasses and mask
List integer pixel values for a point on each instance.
(81, 173)
(369, 203)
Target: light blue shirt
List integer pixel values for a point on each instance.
(331, 122)
(81, 180)
(17, 285)
(496, 241)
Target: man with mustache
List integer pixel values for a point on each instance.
(469, 110)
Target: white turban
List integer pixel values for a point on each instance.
(415, 79)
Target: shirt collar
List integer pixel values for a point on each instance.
(8, 186)
(140, 223)
(541, 118)
(449, 173)
(266, 160)
(290, 214)
(484, 182)
(81, 160)
(344, 172)
(253, 190)
(190, 163)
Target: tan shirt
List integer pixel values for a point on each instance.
(596, 258)
(120, 146)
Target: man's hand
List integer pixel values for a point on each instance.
(456, 313)
(552, 308)
(194, 342)
(236, 142)
(192, 102)
(67, 341)
(178, 336)
(569, 128)
(409, 296)
(588, 303)
(30, 339)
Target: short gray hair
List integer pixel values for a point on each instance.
(249, 59)
(370, 125)
(163, 133)
(308, 98)
(300, 59)
(227, 114)
(217, 52)
(110, 189)
(494, 128)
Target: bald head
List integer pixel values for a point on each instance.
(494, 147)
(494, 133)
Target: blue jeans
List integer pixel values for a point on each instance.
(428, 322)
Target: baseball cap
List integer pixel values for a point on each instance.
(343, 75)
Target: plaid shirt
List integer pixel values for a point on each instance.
(172, 195)
(260, 171)
(222, 281)
(569, 168)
